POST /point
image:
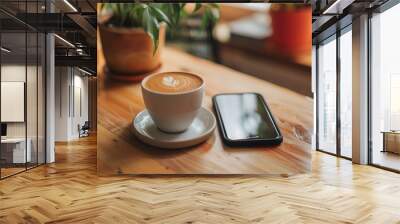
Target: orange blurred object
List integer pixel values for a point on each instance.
(292, 29)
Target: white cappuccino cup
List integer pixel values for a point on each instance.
(173, 99)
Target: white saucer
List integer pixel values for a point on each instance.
(200, 130)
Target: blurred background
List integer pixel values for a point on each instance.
(270, 41)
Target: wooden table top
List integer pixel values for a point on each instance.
(119, 152)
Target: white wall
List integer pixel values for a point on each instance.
(82, 82)
(14, 72)
(12, 101)
(70, 83)
(61, 117)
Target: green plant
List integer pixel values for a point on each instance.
(149, 16)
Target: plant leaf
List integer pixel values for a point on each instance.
(211, 15)
(151, 27)
(197, 7)
(213, 5)
(160, 15)
(156, 32)
(205, 19)
(150, 15)
(215, 15)
(176, 12)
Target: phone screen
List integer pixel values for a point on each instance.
(245, 116)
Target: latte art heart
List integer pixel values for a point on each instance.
(173, 82)
(170, 81)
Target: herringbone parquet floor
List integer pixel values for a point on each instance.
(69, 191)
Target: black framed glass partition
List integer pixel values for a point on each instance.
(13, 90)
(384, 96)
(22, 88)
(334, 93)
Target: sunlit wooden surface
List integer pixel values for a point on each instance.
(70, 191)
(5, 172)
(119, 152)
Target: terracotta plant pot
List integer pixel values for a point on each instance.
(129, 51)
(292, 29)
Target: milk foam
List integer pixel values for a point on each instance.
(170, 81)
(173, 82)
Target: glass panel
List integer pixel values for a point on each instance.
(31, 98)
(32, 89)
(385, 87)
(13, 86)
(41, 98)
(327, 97)
(346, 94)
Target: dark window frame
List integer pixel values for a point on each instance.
(333, 37)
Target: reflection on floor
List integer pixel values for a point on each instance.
(386, 159)
(69, 191)
(346, 152)
(10, 171)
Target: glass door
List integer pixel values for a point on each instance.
(334, 94)
(345, 93)
(326, 97)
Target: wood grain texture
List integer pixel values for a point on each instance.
(119, 152)
(69, 191)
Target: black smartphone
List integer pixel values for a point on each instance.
(244, 119)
